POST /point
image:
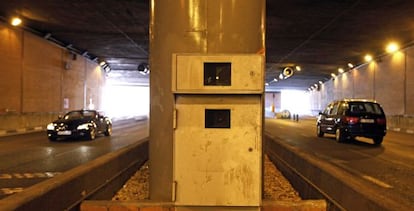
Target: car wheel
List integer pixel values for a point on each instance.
(52, 138)
(108, 131)
(92, 133)
(339, 136)
(378, 140)
(319, 132)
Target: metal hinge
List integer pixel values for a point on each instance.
(175, 118)
(174, 191)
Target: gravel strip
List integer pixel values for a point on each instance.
(136, 188)
(276, 186)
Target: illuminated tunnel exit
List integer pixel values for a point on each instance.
(125, 101)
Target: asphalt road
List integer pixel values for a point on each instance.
(388, 169)
(30, 158)
(27, 159)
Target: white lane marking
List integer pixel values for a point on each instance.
(9, 191)
(376, 181)
(5, 176)
(29, 175)
(369, 178)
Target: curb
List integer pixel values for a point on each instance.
(21, 131)
(305, 205)
(401, 130)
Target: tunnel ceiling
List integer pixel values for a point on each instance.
(318, 35)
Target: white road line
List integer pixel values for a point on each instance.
(377, 181)
(29, 175)
(369, 178)
(5, 176)
(8, 191)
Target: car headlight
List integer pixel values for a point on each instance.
(85, 126)
(50, 126)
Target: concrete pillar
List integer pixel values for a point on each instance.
(191, 26)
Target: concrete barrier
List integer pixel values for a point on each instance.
(16, 121)
(401, 123)
(96, 179)
(316, 179)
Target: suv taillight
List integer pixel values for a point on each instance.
(381, 121)
(351, 120)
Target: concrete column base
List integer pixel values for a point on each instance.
(305, 205)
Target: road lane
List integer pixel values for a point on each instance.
(388, 168)
(27, 159)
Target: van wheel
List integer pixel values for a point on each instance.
(339, 136)
(319, 132)
(378, 140)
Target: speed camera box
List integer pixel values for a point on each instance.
(216, 73)
(217, 129)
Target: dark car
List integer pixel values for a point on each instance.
(78, 124)
(350, 118)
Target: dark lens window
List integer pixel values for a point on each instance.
(217, 74)
(217, 118)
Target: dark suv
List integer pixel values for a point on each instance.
(349, 118)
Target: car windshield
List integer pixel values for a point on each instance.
(79, 114)
(365, 108)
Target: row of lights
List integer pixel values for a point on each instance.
(143, 68)
(392, 47)
(105, 66)
(285, 74)
(16, 21)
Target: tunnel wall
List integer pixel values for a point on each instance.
(389, 80)
(40, 79)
